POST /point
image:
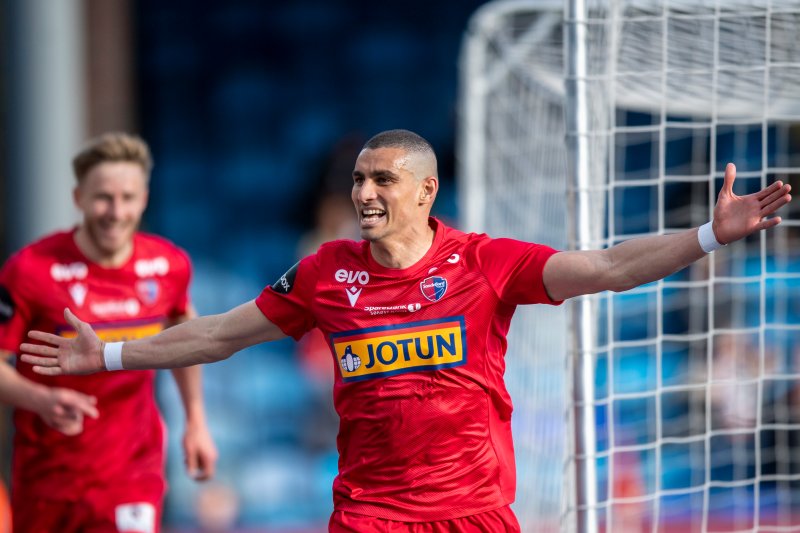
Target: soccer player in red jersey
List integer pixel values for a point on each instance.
(89, 450)
(416, 316)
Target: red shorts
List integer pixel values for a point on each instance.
(500, 520)
(109, 510)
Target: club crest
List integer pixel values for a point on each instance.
(433, 288)
(147, 290)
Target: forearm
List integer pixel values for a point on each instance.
(201, 340)
(19, 391)
(621, 267)
(639, 261)
(194, 342)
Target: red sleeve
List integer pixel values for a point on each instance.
(287, 303)
(514, 269)
(15, 305)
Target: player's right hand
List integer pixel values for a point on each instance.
(64, 409)
(82, 354)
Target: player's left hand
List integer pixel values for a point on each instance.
(736, 217)
(200, 454)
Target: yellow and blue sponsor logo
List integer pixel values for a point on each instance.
(399, 348)
(121, 331)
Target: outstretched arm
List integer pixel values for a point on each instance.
(202, 340)
(641, 261)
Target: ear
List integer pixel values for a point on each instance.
(428, 189)
(76, 193)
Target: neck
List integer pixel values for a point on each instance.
(406, 251)
(93, 252)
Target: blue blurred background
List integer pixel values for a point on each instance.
(255, 111)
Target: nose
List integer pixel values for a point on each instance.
(115, 207)
(365, 191)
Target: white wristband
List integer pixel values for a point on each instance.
(112, 355)
(708, 241)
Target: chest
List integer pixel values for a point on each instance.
(100, 295)
(378, 324)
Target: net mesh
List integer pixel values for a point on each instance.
(697, 377)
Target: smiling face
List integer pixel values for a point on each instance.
(393, 191)
(112, 197)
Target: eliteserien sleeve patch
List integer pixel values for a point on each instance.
(286, 282)
(6, 305)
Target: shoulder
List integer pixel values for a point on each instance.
(468, 242)
(341, 245)
(48, 249)
(35, 267)
(340, 249)
(156, 253)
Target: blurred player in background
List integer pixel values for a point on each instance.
(89, 451)
(416, 315)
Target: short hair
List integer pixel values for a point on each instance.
(408, 140)
(112, 147)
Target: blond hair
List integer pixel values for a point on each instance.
(112, 147)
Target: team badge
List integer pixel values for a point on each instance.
(433, 288)
(148, 290)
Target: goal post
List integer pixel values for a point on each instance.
(674, 406)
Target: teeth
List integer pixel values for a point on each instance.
(368, 212)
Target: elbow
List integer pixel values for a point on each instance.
(622, 283)
(622, 287)
(215, 348)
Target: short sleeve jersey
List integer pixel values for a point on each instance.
(129, 302)
(425, 417)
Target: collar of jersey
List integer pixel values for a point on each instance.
(439, 230)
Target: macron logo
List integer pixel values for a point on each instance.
(352, 294)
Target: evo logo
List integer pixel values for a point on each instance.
(352, 277)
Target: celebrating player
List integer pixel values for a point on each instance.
(416, 316)
(89, 450)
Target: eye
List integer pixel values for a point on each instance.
(358, 180)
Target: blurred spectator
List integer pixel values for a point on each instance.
(734, 393)
(334, 219)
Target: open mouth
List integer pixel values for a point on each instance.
(372, 216)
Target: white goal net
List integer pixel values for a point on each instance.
(692, 413)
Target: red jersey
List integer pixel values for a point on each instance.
(127, 441)
(425, 417)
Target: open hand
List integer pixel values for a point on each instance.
(736, 217)
(80, 355)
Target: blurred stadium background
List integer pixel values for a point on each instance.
(255, 111)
